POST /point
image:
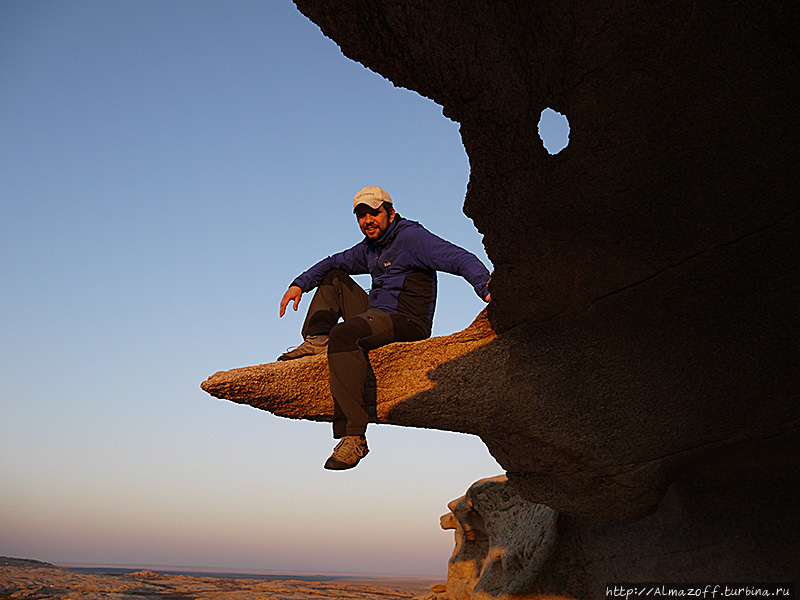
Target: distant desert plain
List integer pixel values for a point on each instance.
(26, 578)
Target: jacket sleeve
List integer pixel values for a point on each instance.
(352, 261)
(433, 252)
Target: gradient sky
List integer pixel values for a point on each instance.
(166, 170)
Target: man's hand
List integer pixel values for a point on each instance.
(293, 293)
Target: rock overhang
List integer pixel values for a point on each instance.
(646, 277)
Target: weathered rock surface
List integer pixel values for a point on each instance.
(507, 547)
(502, 541)
(299, 388)
(646, 334)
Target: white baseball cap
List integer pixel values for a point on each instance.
(372, 196)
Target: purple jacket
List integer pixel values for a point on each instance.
(403, 264)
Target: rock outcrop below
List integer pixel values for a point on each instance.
(507, 547)
(646, 328)
(502, 542)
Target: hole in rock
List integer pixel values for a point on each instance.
(554, 130)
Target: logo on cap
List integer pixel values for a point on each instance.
(372, 195)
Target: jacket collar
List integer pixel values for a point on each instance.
(388, 235)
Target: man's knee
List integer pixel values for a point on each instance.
(334, 274)
(337, 275)
(344, 337)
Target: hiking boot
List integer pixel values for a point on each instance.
(313, 344)
(350, 450)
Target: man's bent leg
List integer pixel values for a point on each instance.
(338, 295)
(347, 366)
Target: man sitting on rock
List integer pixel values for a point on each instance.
(402, 258)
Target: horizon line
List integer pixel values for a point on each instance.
(245, 571)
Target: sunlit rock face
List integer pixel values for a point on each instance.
(646, 276)
(415, 384)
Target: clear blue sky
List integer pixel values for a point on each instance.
(166, 170)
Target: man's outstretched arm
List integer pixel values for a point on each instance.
(436, 253)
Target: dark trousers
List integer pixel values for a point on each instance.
(363, 329)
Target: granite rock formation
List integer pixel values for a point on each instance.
(507, 547)
(641, 361)
(502, 542)
(299, 389)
